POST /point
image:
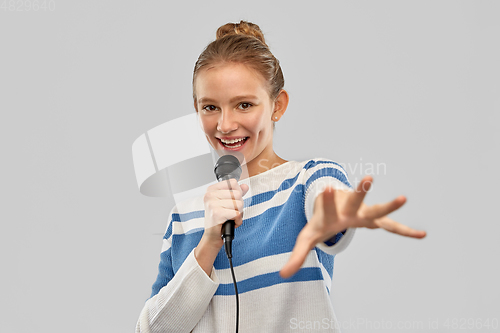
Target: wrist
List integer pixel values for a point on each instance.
(206, 252)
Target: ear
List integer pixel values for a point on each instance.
(280, 105)
(195, 106)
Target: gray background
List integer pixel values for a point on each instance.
(412, 85)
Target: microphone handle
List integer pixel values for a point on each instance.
(228, 226)
(228, 229)
(228, 236)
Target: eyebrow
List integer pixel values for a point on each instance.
(232, 100)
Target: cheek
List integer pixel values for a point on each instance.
(206, 125)
(208, 129)
(257, 124)
(265, 127)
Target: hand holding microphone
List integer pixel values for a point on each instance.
(227, 168)
(223, 201)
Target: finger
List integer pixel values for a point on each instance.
(228, 194)
(398, 228)
(222, 215)
(232, 184)
(244, 189)
(302, 247)
(329, 209)
(227, 184)
(380, 210)
(229, 204)
(355, 199)
(234, 188)
(238, 219)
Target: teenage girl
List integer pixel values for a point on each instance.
(297, 216)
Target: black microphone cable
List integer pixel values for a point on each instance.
(228, 235)
(228, 167)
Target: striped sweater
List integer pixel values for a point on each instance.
(277, 206)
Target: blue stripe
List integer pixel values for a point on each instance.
(168, 233)
(334, 240)
(165, 273)
(312, 164)
(183, 218)
(176, 217)
(188, 216)
(269, 279)
(266, 196)
(328, 172)
(184, 244)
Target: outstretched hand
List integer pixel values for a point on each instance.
(337, 210)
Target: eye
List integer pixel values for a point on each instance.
(244, 106)
(209, 108)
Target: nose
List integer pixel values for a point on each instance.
(227, 122)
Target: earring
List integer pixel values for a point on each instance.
(276, 118)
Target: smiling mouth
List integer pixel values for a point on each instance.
(232, 144)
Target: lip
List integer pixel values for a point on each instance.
(233, 138)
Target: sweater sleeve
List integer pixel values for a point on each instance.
(321, 173)
(179, 300)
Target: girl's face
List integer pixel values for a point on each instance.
(236, 113)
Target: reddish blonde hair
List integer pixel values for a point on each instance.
(242, 43)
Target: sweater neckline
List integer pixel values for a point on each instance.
(279, 167)
(266, 180)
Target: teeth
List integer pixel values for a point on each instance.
(241, 144)
(231, 141)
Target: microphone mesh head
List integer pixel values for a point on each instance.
(227, 166)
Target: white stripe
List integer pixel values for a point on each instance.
(279, 199)
(316, 188)
(326, 276)
(306, 301)
(179, 228)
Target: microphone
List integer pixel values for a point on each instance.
(228, 167)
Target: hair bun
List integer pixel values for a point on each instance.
(242, 28)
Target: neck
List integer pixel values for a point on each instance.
(262, 164)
